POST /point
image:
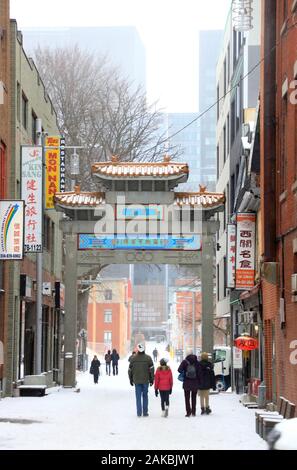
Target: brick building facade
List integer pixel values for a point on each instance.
(4, 156)
(279, 194)
(109, 317)
(28, 101)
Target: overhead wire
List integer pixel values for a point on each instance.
(227, 92)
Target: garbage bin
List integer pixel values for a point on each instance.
(262, 395)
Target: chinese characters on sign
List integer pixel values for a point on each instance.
(32, 196)
(62, 165)
(11, 230)
(52, 170)
(138, 242)
(231, 253)
(245, 251)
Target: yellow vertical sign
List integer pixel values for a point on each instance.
(52, 170)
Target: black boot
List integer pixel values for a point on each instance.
(208, 410)
(202, 411)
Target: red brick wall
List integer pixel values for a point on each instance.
(283, 201)
(118, 327)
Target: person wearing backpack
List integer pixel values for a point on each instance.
(206, 381)
(189, 367)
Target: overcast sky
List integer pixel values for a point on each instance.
(168, 28)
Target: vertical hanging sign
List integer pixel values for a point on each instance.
(31, 164)
(11, 230)
(62, 165)
(245, 250)
(52, 170)
(231, 253)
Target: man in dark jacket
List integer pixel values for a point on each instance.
(141, 374)
(108, 360)
(189, 367)
(206, 379)
(115, 362)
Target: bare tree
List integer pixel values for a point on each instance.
(100, 110)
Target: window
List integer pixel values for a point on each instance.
(46, 232)
(219, 355)
(228, 65)
(225, 143)
(283, 157)
(24, 111)
(108, 294)
(33, 117)
(234, 48)
(107, 337)
(218, 162)
(18, 103)
(233, 120)
(225, 276)
(225, 76)
(52, 247)
(218, 282)
(218, 102)
(227, 136)
(295, 142)
(107, 316)
(2, 170)
(285, 9)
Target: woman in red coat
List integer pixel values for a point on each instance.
(163, 383)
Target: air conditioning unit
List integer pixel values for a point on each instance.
(294, 287)
(270, 272)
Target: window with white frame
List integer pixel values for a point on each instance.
(107, 316)
(107, 336)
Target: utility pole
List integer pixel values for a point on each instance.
(39, 260)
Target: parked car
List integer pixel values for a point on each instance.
(283, 436)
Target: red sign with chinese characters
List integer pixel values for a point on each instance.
(245, 251)
(246, 343)
(32, 195)
(231, 254)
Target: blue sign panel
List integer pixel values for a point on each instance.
(138, 242)
(133, 211)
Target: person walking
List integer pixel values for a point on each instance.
(189, 367)
(94, 369)
(115, 362)
(141, 374)
(132, 355)
(155, 354)
(206, 381)
(163, 384)
(107, 362)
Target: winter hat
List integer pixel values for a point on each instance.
(163, 362)
(140, 348)
(204, 356)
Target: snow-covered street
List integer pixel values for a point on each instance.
(103, 416)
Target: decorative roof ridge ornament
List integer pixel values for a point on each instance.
(202, 188)
(167, 159)
(77, 189)
(115, 159)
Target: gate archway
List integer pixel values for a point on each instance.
(136, 216)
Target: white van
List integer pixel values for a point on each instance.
(222, 367)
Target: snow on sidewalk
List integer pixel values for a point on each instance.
(103, 416)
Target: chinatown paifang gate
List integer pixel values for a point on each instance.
(137, 217)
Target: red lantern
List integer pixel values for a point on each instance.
(246, 343)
